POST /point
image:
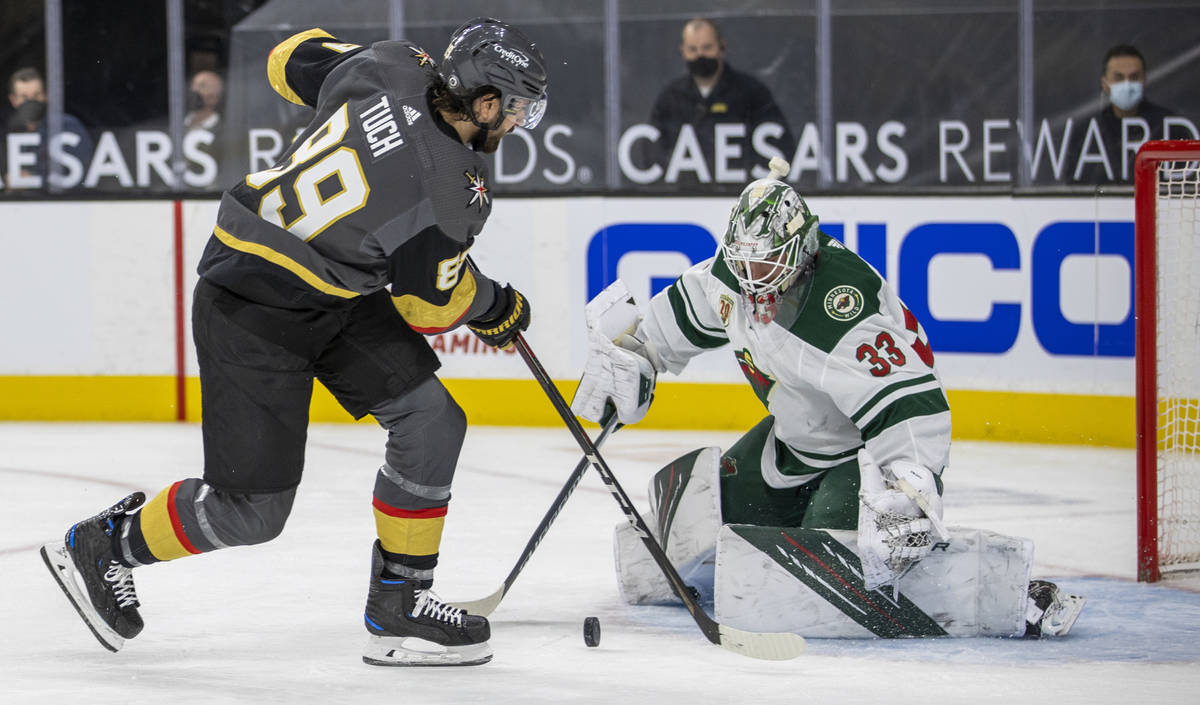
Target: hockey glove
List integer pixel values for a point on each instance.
(619, 375)
(613, 377)
(508, 316)
(900, 511)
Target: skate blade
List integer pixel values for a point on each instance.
(411, 651)
(1067, 612)
(62, 567)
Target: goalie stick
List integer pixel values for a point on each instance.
(486, 605)
(919, 499)
(761, 645)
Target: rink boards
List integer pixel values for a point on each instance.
(1028, 303)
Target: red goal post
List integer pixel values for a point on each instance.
(1167, 232)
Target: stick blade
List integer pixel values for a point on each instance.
(770, 646)
(484, 606)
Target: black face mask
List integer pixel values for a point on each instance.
(32, 110)
(703, 67)
(28, 113)
(195, 101)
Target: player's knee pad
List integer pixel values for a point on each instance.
(685, 516)
(225, 518)
(191, 516)
(426, 428)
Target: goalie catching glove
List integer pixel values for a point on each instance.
(619, 374)
(508, 315)
(899, 513)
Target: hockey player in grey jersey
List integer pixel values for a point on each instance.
(854, 444)
(331, 265)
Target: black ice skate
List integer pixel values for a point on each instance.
(410, 626)
(100, 588)
(1051, 612)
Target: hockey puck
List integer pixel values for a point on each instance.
(591, 631)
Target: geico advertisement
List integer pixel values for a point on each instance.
(1015, 294)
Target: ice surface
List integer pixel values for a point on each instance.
(281, 623)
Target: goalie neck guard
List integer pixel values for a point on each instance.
(486, 53)
(770, 242)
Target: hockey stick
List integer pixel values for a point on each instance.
(762, 645)
(486, 605)
(919, 499)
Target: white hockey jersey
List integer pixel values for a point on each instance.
(844, 363)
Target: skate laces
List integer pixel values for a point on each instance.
(121, 578)
(429, 604)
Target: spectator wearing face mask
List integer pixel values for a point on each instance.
(714, 93)
(27, 167)
(1103, 147)
(205, 125)
(205, 94)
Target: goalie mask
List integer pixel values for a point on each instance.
(487, 54)
(770, 243)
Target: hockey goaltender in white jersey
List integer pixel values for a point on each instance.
(825, 519)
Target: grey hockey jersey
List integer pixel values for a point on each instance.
(376, 192)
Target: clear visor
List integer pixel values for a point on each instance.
(525, 112)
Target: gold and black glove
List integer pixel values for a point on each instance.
(508, 315)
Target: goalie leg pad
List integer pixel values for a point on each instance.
(809, 582)
(639, 579)
(685, 517)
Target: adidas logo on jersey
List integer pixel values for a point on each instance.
(411, 115)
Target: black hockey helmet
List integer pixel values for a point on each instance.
(488, 53)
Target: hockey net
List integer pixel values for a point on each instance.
(1167, 204)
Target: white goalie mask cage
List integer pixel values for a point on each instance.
(770, 242)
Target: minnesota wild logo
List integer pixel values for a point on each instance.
(759, 380)
(843, 303)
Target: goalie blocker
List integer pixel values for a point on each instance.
(810, 581)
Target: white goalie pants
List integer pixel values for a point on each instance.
(809, 581)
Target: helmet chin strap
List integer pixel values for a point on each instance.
(480, 138)
(494, 124)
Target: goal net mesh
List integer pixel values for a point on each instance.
(1177, 234)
